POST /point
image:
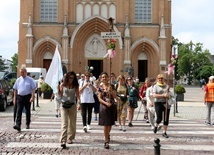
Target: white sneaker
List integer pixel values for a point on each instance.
(88, 127)
(120, 127)
(85, 129)
(124, 128)
(159, 127)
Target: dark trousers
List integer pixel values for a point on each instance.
(40, 92)
(160, 110)
(14, 112)
(23, 101)
(86, 109)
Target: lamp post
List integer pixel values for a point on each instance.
(175, 57)
(90, 69)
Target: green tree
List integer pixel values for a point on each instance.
(14, 63)
(193, 61)
(184, 64)
(2, 65)
(204, 72)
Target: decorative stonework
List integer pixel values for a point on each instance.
(28, 61)
(127, 62)
(95, 47)
(83, 24)
(146, 40)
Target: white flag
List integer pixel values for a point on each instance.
(54, 74)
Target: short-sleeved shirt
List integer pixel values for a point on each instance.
(160, 90)
(87, 95)
(24, 86)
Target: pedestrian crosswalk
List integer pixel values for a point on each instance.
(184, 135)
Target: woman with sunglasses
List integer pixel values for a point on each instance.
(161, 95)
(87, 91)
(133, 98)
(69, 90)
(108, 109)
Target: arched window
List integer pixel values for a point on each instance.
(96, 9)
(112, 12)
(79, 13)
(104, 10)
(87, 11)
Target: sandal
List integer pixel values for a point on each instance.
(106, 145)
(70, 142)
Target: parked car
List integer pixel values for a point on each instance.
(2, 74)
(10, 76)
(6, 94)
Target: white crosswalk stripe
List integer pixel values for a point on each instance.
(183, 135)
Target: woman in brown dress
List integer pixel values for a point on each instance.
(108, 110)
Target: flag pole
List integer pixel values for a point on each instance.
(110, 22)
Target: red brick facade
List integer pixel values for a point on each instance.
(146, 47)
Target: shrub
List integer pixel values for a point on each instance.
(12, 82)
(179, 89)
(46, 88)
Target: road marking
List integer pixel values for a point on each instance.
(112, 145)
(144, 131)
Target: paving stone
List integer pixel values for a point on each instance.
(187, 133)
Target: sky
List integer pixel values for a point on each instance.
(191, 20)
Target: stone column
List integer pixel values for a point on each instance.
(29, 36)
(65, 42)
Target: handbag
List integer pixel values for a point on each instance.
(123, 98)
(67, 104)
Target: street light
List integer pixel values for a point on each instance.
(175, 58)
(90, 69)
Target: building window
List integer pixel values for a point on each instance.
(85, 11)
(143, 11)
(48, 10)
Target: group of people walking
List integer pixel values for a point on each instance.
(117, 99)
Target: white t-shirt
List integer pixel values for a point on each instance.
(87, 95)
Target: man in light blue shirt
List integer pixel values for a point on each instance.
(24, 90)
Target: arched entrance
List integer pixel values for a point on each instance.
(97, 67)
(87, 47)
(142, 66)
(43, 52)
(146, 51)
(95, 50)
(47, 60)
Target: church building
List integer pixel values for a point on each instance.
(141, 28)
